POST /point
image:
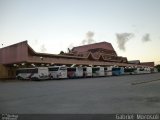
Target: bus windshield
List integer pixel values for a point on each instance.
(84, 69)
(141, 69)
(71, 69)
(115, 69)
(129, 69)
(95, 69)
(105, 68)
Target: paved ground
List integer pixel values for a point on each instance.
(92, 95)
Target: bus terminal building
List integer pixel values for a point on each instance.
(21, 55)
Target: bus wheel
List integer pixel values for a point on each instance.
(68, 76)
(34, 79)
(19, 78)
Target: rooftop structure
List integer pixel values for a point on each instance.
(103, 46)
(150, 64)
(102, 51)
(134, 62)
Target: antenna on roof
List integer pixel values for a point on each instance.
(69, 50)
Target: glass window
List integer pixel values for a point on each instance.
(53, 68)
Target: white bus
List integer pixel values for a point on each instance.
(129, 71)
(108, 71)
(142, 70)
(98, 71)
(57, 72)
(155, 70)
(37, 73)
(147, 70)
(87, 71)
(40, 74)
(75, 72)
(25, 73)
(116, 71)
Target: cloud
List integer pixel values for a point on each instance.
(146, 37)
(36, 42)
(122, 38)
(84, 42)
(43, 48)
(71, 46)
(89, 34)
(89, 38)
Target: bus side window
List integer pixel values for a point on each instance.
(63, 68)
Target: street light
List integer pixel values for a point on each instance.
(33, 65)
(22, 64)
(73, 65)
(14, 65)
(41, 58)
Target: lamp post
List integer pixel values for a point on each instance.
(41, 58)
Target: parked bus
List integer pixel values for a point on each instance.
(129, 71)
(147, 70)
(37, 73)
(155, 70)
(57, 72)
(98, 71)
(42, 73)
(25, 73)
(87, 71)
(108, 71)
(74, 72)
(142, 70)
(117, 71)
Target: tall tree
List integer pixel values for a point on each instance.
(158, 67)
(61, 53)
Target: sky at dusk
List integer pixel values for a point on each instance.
(131, 26)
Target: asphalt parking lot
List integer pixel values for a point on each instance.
(122, 94)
